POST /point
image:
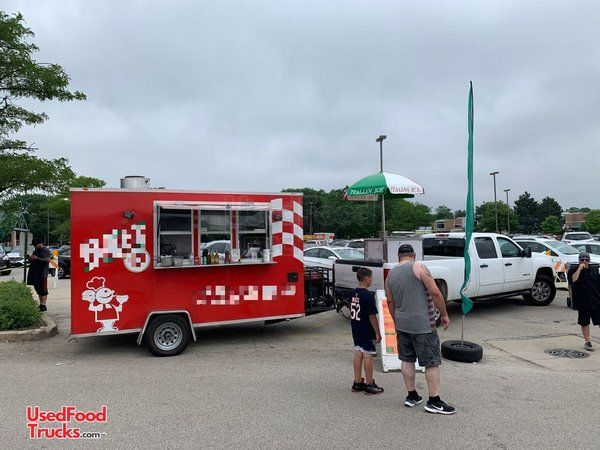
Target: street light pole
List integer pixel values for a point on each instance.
(493, 174)
(507, 211)
(380, 139)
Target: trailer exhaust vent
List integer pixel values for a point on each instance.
(135, 182)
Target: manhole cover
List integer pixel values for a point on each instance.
(566, 353)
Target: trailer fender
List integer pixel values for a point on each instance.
(181, 312)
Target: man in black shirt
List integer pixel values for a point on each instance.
(38, 271)
(365, 331)
(585, 292)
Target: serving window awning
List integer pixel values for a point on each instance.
(218, 206)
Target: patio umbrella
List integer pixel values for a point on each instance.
(383, 184)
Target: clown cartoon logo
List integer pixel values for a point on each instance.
(104, 302)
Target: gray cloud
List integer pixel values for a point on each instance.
(266, 95)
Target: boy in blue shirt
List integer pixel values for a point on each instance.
(365, 331)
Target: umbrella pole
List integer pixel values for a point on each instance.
(383, 217)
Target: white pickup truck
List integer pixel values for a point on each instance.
(499, 268)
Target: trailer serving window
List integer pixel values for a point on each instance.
(196, 234)
(175, 233)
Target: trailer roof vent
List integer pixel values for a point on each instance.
(135, 182)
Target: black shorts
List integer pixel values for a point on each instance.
(585, 315)
(424, 347)
(41, 286)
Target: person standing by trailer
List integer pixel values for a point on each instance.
(585, 291)
(411, 294)
(365, 332)
(38, 271)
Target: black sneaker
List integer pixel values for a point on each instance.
(588, 346)
(412, 400)
(372, 389)
(43, 308)
(359, 387)
(439, 407)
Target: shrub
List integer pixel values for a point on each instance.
(17, 307)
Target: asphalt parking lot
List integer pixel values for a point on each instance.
(288, 386)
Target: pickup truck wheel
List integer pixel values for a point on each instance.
(167, 335)
(542, 293)
(441, 284)
(462, 351)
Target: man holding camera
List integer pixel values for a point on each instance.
(585, 293)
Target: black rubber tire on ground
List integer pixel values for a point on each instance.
(542, 293)
(61, 272)
(455, 351)
(167, 335)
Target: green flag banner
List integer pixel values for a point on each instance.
(467, 303)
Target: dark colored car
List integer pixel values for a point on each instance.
(5, 266)
(64, 263)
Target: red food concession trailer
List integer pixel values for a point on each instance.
(160, 263)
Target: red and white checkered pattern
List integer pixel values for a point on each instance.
(287, 228)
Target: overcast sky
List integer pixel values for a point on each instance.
(264, 95)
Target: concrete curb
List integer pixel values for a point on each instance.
(47, 330)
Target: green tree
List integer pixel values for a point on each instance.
(485, 217)
(592, 221)
(460, 213)
(526, 211)
(548, 207)
(443, 212)
(551, 225)
(48, 217)
(22, 78)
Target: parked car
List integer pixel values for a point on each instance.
(4, 262)
(16, 260)
(579, 236)
(314, 243)
(340, 243)
(560, 252)
(325, 256)
(593, 248)
(357, 243)
(64, 264)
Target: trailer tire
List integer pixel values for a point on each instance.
(465, 352)
(167, 335)
(542, 293)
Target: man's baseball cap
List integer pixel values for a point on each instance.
(584, 255)
(405, 249)
(36, 241)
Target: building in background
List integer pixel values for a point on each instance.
(574, 221)
(447, 225)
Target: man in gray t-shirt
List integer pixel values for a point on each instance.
(412, 296)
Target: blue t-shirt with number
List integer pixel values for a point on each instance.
(362, 306)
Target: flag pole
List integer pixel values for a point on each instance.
(460, 350)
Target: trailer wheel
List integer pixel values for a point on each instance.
(167, 335)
